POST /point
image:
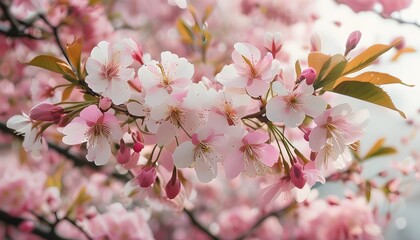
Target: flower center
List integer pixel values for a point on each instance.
(110, 71)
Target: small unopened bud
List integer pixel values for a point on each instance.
(46, 112)
(105, 104)
(147, 176)
(309, 74)
(138, 146)
(26, 226)
(273, 42)
(352, 41)
(297, 176)
(123, 154)
(173, 187)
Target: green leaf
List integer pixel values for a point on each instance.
(51, 63)
(367, 57)
(378, 149)
(376, 78)
(332, 73)
(368, 190)
(367, 92)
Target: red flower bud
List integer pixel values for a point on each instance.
(147, 176)
(173, 187)
(26, 226)
(123, 154)
(297, 176)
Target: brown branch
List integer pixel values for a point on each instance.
(199, 225)
(39, 230)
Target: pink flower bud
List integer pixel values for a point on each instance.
(352, 41)
(123, 154)
(26, 226)
(147, 176)
(105, 104)
(46, 112)
(273, 42)
(309, 74)
(297, 176)
(173, 187)
(138, 146)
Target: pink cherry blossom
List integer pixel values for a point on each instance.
(98, 129)
(118, 223)
(360, 5)
(291, 105)
(22, 124)
(336, 128)
(108, 71)
(251, 155)
(249, 70)
(202, 153)
(169, 76)
(273, 42)
(390, 6)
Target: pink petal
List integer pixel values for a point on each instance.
(313, 105)
(317, 138)
(271, 155)
(255, 137)
(233, 164)
(258, 88)
(91, 114)
(75, 132)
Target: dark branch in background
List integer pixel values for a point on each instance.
(17, 27)
(200, 226)
(386, 17)
(41, 231)
(78, 161)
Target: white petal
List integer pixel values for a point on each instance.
(313, 105)
(317, 138)
(184, 155)
(75, 133)
(99, 151)
(205, 170)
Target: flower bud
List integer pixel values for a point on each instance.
(26, 226)
(173, 187)
(105, 104)
(352, 41)
(123, 154)
(46, 112)
(309, 74)
(138, 146)
(297, 176)
(306, 135)
(273, 42)
(147, 176)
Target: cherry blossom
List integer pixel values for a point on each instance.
(251, 154)
(169, 77)
(23, 125)
(336, 128)
(202, 152)
(291, 105)
(108, 71)
(99, 130)
(249, 70)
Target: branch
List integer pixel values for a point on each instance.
(276, 213)
(78, 161)
(398, 20)
(199, 225)
(43, 232)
